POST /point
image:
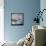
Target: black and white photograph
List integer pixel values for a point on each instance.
(17, 18)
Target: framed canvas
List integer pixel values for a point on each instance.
(17, 18)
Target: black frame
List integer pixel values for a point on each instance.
(22, 14)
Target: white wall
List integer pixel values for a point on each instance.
(43, 6)
(1, 20)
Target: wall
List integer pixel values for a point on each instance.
(28, 7)
(1, 20)
(43, 6)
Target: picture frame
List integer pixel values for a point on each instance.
(17, 19)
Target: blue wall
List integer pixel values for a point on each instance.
(28, 7)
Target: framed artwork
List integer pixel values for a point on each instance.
(17, 18)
